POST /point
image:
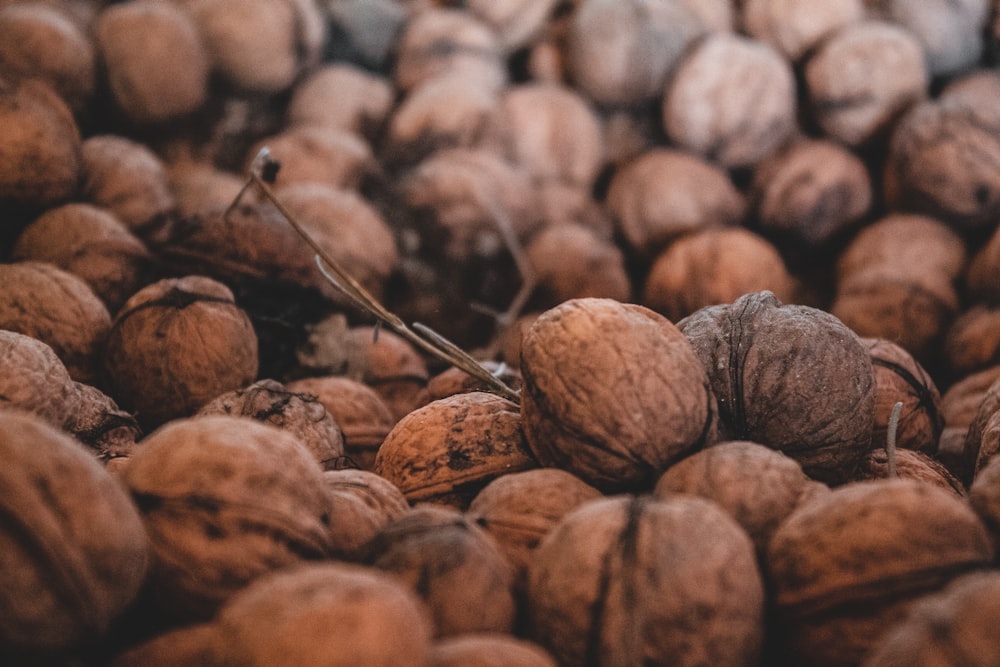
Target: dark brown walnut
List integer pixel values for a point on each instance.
(899, 378)
(361, 503)
(302, 415)
(519, 509)
(454, 380)
(756, 485)
(42, 40)
(57, 307)
(331, 613)
(486, 649)
(40, 145)
(664, 193)
(620, 54)
(730, 100)
(127, 178)
(911, 244)
(452, 564)
(342, 95)
(972, 342)
(447, 450)
(569, 261)
(613, 393)
(982, 440)
(199, 186)
(98, 422)
(197, 644)
(154, 60)
(89, 242)
(795, 27)
(811, 192)
(618, 579)
(944, 160)
(260, 46)
(791, 377)
(175, 345)
(848, 564)
(981, 274)
(225, 500)
(860, 79)
(445, 41)
(33, 379)
(984, 496)
(317, 154)
(390, 365)
(955, 626)
(363, 417)
(73, 552)
(562, 203)
(714, 266)
(553, 132)
(909, 464)
(959, 405)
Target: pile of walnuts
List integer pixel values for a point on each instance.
(735, 261)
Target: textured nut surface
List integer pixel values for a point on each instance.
(613, 393)
(791, 377)
(73, 552)
(616, 581)
(489, 650)
(32, 378)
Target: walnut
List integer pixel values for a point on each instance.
(944, 160)
(454, 380)
(984, 496)
(756, 485)
(519, 509)
(862, 78)
(198, 187)
(561, 203)
(73, 552)
(794, 27)
(332, 614)
(665, 193)
(390, 365)
(42, 40)
(198, 644)
(516, 22)
(33, 379)
(731, 100)
(972, 342)
(957, 623)
(98, 422)
(847, 564)
(569, 261)
(361, 503)
(175, 345)
(363, 417)
(225, 500)
(981, 274)
(790, 377)
(447, 450)
(259, 46)
(300, 414)
(982, 440)
(616, 581)
(553, 133)
(489, 649)
(59, 308)
(613, 393)
(342, 96)
(452, 564)
(155, 61)
(441, 41)
(901, 378)
(811, 192)
(316, 154)
(714, 266)
(128, 179)
(909, 464)
(620, 54)
(91, 243)
(959, 405)
(40, 145)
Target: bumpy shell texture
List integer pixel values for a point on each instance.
(791, 377)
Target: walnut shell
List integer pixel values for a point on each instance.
(982, 440)
(794, 27)
(956, 625)
(177, 344)
(454, 380)
(363, 417)
(519, 509)
(300, 414)
(447, 450)
(910, 464)
(33, 379)
(316, 154)
(343, 96)
(361, 503)
(199, 644)
(613, 393)
(73, 552)
(516, 22)
(373, 490)
(569, 261)
(332, 614)
(849, 563)
(972, 341)
(756, 485)
(790, 377)
(901, 378)
(452, 564)
(984, 497)
(390, 365)
(225, 500)
(59, 308)
(488, 649)
(616, 581)
(99, 423)
(959, 405)
(951, 33)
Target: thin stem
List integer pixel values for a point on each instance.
(890, 438)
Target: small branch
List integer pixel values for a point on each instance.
(890, 439)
